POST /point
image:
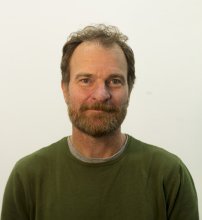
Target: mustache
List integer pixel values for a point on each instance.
(100, 107)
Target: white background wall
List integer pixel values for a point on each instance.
(166, 104)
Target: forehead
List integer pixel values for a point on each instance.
(95, 55)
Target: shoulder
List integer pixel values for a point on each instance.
(155, 158)
(160, 165)
(141, 148)
(41, 158)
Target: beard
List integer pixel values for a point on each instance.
(98, 124)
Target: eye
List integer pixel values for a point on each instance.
(114, 82)
(85, 80)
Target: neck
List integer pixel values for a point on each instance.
(97, 147)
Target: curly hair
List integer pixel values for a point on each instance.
(107, 36)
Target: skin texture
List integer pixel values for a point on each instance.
(97, 97)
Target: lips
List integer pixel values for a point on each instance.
(99, 107)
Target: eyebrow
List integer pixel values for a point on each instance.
(114, 75)
(117, 75)
(79, 75)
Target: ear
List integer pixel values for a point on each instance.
(65, 90)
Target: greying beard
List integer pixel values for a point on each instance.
(100, 124)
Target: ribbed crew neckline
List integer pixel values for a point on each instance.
(75, 153)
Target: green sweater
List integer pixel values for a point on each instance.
(143, 183)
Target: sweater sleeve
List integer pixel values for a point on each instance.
(183, 198)
(15, 206)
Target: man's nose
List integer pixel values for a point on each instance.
(101, 93)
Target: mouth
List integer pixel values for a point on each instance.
(99, 108)
(96, 110)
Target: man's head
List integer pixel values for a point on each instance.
(106, 36)
(96, 82)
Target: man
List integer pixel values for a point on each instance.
(99, 172)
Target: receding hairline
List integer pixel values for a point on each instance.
(101, 42)
(98, 43)
(112, 45)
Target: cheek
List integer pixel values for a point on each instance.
(121, 98)
(76, 99)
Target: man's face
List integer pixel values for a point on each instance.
(97, 94)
